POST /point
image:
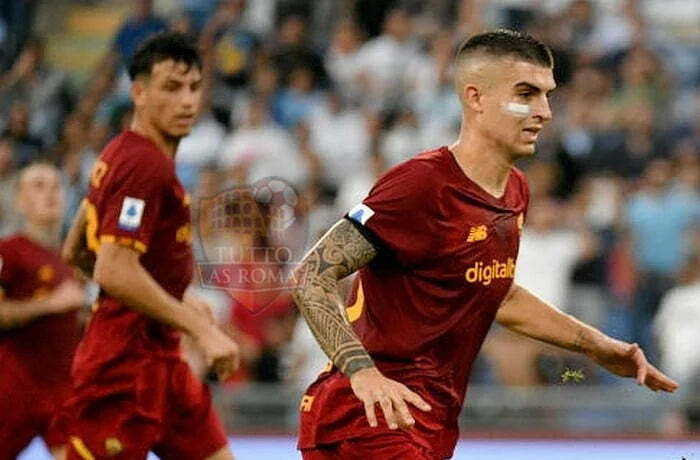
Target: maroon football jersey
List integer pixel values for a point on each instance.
(136, 200)
(422, 308)
(39, 353)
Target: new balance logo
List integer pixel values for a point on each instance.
(478, 233)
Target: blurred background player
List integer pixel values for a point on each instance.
(39, 299)
(132, 391)
(436, 242)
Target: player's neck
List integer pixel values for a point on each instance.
(45, 235)
(164, 143)
(489, 171)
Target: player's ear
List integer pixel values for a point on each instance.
(473, 97)
(138, 92)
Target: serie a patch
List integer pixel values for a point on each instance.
(361, 213)
(131, 213)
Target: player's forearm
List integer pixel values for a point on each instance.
(340, 252)
(74, 249)
(131, 284)
(17, 313)
(526, 314)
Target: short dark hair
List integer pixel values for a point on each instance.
(161, 47)
(508, 43)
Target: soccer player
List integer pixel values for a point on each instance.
(435, 243)
(39, 298)
(132, 391)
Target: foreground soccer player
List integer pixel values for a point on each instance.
(39, 297)
(436, 240)
(132, 392)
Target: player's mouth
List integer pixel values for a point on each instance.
(184, 119)
(532, 133)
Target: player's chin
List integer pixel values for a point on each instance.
(524, 150)
(179, 131)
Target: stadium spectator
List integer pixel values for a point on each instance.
(340, 136)
(382, 62)
(230, 49)
(291, 49)
(295, 103)
(27, 146)
(45, 89)
(342, 60)
(135, 29)
(659, 217)
(261, 148)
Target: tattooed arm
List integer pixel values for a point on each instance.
(339, 253)
(526, 314)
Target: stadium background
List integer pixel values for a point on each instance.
(327, 94)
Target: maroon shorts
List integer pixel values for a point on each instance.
(384, 446)
(143, 405)
(26, 412)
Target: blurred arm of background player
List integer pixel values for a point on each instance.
(526, 314)
(75, 251)
(119, 272)
(340, 252)
(17, 313)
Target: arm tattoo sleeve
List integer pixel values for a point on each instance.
(339, 253)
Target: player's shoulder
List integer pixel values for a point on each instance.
(133, 152)
(422, 169)
(11, 242)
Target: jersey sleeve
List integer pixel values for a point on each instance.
(131, 203)
(398, 216)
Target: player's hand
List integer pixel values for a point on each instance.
(372, 388)
(69, 295)
(628, 360)
(200, 306)
(221, 353)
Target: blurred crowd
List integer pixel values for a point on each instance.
(328, 94)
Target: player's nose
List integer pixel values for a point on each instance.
(189, 99)
(543, 111)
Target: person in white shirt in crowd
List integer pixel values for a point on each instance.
(260, 149)
(549, 253)
(430, 90)
(199, 148)
(342, 60)
(676, 327)
(340, 136)
(402, 139)
(383, 59)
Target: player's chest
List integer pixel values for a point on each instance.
(39, 274)
(479, 246)
(175, 223)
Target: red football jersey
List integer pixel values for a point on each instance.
(422, 308)
(136, 200)
(41, 352)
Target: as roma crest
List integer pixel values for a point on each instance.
(251, 239)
